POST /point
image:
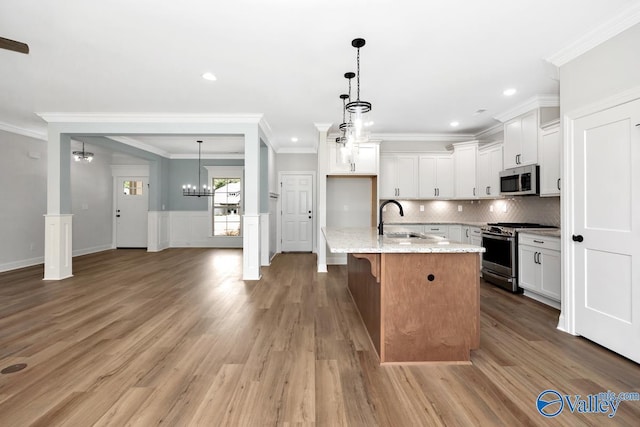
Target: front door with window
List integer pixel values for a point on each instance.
(132, 206)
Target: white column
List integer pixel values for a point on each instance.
(251, 217)
(58, 220)
(323, 129)
(57, 246)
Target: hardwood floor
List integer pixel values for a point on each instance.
(177, 338)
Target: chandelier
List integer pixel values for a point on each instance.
(82, 156)
(197, 191)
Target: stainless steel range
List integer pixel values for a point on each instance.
(500, 261)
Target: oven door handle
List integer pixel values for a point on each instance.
(497, 237)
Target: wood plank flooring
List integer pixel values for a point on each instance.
(177, 338)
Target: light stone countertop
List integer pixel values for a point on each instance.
(413, 222)
(553, 232)
(366, 240)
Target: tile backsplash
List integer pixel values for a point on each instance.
(543, 210)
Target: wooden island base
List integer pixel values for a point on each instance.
(418, 307)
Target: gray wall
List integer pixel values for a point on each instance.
(92, 204)
(185, 172)
(297, 162)
(606, 70)
(23, 199)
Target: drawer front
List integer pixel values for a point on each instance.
(435, 229)
(552, 243)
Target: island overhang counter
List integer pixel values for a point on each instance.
(419, 298)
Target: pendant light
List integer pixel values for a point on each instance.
(82, 156)
(358, 107)
(197, 191)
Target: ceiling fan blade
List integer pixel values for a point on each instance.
(14, 45)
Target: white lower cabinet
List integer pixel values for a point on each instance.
(539, 267)
(455, 233)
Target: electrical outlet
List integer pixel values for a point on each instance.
(459, 208)
(421, 208)
(85, 206)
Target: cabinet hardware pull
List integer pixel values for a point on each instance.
(558, 184)
(488, 190)
(435, 192)
(438, 190)
(467, 232)
(535, 259)
(539, 241)
(474, 191)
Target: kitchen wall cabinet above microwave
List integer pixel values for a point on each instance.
(366, 162)
(521, 136)
(398, 176)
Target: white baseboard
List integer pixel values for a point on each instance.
(93, 250)
(542, 299)
(23, 263)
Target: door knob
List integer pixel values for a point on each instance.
(577, 238)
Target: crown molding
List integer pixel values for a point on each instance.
(323, 127)
(297, 150)
(208, 156)
(538, 101)
(493, 130)
(152, 118)
(23, 131)
(422, 137)
(627, 18)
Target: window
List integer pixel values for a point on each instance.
(132, 188)
(227, 206)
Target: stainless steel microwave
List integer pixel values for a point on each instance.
(521, 181)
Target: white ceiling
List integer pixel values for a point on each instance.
(424, 64)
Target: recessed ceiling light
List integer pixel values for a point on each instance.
(454, 124)
(294, 139)
(509, 92)
(209, 76)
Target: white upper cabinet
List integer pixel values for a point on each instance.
(465, 158)
(521, 140)
(366, 162)
(549, 156)
(435, 177)
(398, 176)
(489, 168)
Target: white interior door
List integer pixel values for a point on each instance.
(132, 206)
(607, 228)
(297, 213)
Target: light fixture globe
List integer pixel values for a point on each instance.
(358, 106)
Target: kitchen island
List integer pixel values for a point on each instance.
(418, 297)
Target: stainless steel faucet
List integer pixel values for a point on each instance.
(381, 225)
